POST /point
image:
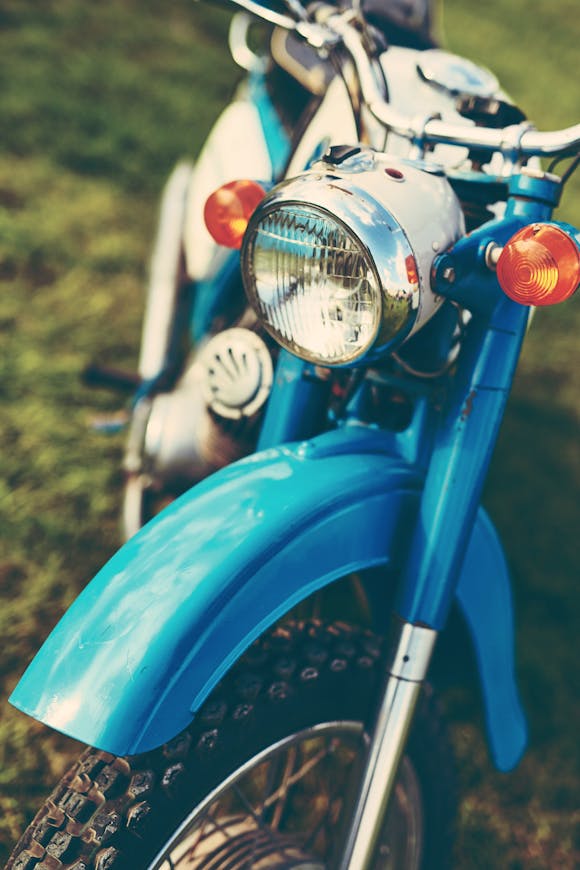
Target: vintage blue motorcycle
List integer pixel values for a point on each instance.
(235, 724)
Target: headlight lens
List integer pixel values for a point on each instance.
(313, 283)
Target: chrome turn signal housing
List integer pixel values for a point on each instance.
(336, 262)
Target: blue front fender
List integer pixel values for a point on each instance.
(152, 634)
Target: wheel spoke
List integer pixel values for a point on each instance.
(284, 788)
(297, 776)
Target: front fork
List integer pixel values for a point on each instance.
(450, 499)
(408, 668)
(451, 496)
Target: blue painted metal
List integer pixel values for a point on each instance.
(153, 633)
(297, 409)
(545, 189)
(458, 466)
(155, 630)
(463, 447)
(475, 286)
(295, 405)
(215, 295)
(275, 135)
(163, 621)
(484, 596)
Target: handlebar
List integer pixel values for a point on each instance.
(518, 140)
(332, 28)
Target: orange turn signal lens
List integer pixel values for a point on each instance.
(228, 210)
(540, 265)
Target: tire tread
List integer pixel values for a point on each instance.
(106, 808)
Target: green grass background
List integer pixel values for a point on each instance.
(97, 102)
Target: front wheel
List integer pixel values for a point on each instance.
(263, 778)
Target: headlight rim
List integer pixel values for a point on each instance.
(261, 212)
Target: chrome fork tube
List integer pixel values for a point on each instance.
(409, 663)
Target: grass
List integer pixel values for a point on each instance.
(98, 102)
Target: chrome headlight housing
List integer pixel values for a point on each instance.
(336, 262)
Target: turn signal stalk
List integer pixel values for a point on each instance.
(228, 210)
(539, 265)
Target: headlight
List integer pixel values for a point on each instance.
(313, 283)
(328, 267)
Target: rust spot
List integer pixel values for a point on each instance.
(342, 189)
(468, 407)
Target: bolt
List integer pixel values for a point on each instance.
(448, 274)
(492, 254)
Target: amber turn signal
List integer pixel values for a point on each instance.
(228, 210)
(540, 265)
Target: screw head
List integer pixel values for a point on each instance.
(492, 254)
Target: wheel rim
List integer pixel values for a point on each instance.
(287, 807)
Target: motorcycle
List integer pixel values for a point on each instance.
(390, 291)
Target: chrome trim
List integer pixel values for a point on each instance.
(412, 653)
(492, 255)
(133, 466)
(531, 142)
(339, 28)
(238, 44)
(132, 511)
(455, 75)
(528, 142)
(133, 459)
(381, 236)
(266, 14)
(319, 37)
(410, 660)
(347, 726)
(236, 373)
(380, 213)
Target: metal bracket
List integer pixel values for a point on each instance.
(238, 44)
(419, 123)
(510, 147)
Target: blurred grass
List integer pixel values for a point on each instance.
(98, 102)
(531, 818)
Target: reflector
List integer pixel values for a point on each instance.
(539, 265)
(228, 210)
